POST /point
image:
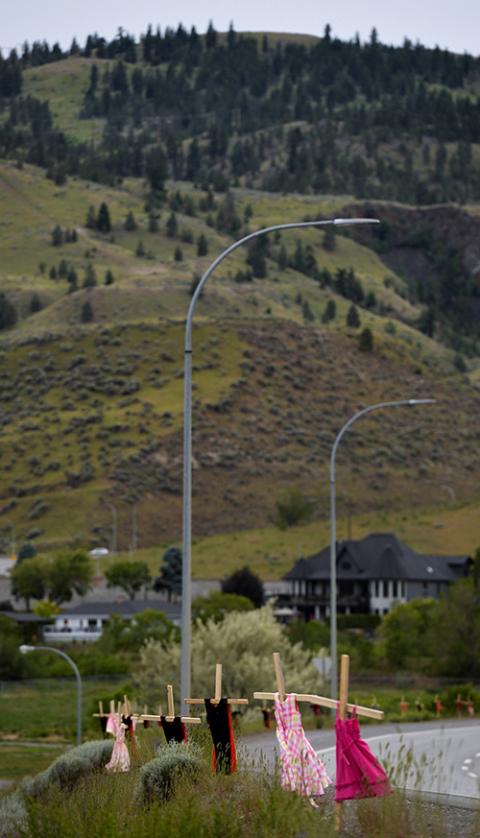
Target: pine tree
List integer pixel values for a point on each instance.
(91, 221)
(8, 314)
(329, 241)
(109, 279)
(140, 250)
(307, 312)
(202, 245)
(57, 236)
(130, 224)
(152, 223)
(172, 226)
(353, 318)
(365, 341)
(86, 315)
(330, 312)
(90, 280)
(103, 220)
(178, 254)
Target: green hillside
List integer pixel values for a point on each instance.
(103, 240)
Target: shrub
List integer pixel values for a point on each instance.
(13, 816)
(69, 769)
(292, 508)
(159, 777)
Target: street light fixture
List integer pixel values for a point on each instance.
(25, 649)
(333, 526)
(187, 432)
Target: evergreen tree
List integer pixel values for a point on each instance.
(202, 245)
(329, 241)
(152, 223)
(140, 250)
(8, 314)
(172, 226)
(178, 254)
(245, 583)
(91, 221)
(130, 224)
(170, 578)
(57, 236)
(103, 220)
(156, 169)
(353, 318)
(86, 315)
(109, 279)
(307, 312)
(330, 312)
(90, 280)
(35, 304)
(365, 341)
(256, 258)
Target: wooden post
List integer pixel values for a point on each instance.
(342, 704)
(279, 676)
(218, 683)
(170, 701)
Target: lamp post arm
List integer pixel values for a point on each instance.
(186, 627)
(333, 524)
(77, 676)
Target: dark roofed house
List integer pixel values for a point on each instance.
(372, 575)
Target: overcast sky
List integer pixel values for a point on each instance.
(455, 25)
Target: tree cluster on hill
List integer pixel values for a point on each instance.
(374, 120)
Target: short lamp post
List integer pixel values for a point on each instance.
(25, 649)
(333, 526)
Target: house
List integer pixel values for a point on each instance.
(85, 622)
(372, 575)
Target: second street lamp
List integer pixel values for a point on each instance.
(187, 432)
(333, 525)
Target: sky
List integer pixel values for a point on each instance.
(454, 25)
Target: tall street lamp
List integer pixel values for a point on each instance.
(25, 649)
(187, 432)
(333, 526)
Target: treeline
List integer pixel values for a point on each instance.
(398, 123)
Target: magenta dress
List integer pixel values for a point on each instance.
(302, 770)
(359, 774)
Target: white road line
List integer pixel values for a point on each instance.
(467, 761)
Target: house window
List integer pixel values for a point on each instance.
(425, 588)
(395, 589)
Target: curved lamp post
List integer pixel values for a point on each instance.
(25, 649)
(187, 432)
(333, 526)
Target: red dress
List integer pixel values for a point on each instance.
(359, 774)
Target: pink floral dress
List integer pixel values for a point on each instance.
(120, 759)
(302, 769)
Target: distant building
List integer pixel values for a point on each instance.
(372, 575)
(85, 622)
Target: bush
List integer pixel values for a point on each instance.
(292, 508)
(13, 816)
(69, 769)
(159, 777)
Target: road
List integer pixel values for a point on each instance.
(438, 757)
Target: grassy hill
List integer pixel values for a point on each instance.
(92, 412)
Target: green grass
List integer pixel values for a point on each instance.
(45, 708)
(64, 84)
(271, 552)
(22, 759)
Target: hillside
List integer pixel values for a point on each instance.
(103, 240)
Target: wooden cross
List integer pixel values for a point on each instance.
(151, 717)
(218, 692)
(321, 701)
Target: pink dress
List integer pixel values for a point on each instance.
(120, 759)
(302, 769)
(359, 774)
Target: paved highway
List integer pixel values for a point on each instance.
(439, 757)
